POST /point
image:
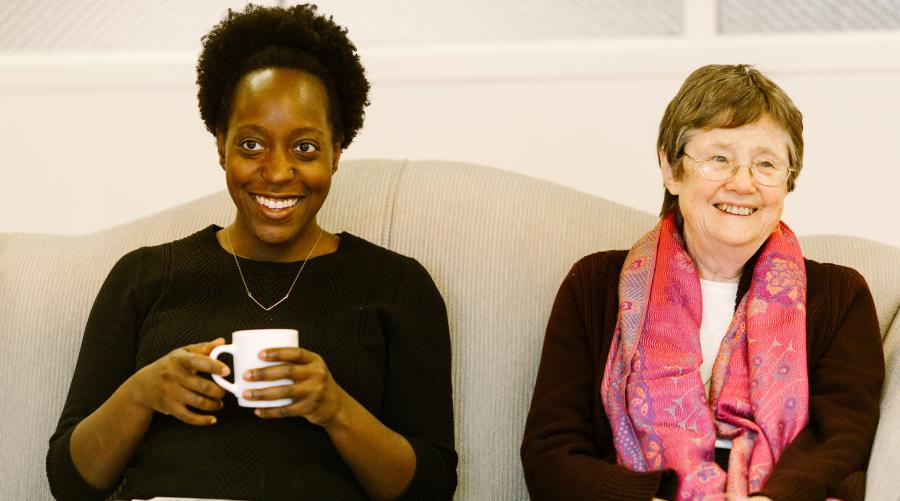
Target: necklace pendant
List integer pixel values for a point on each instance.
(296, 277)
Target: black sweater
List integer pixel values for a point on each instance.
(374, 316)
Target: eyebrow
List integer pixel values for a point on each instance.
(300, 130)
(757, 151)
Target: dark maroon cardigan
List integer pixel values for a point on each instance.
(567, 451)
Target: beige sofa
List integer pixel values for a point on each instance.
(497, 245)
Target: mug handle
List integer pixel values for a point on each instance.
(224, 383)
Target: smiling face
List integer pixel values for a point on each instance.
(733, 217)
(279, 155)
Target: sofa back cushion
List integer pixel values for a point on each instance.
(497, 245)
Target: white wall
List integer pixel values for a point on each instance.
(93, 141)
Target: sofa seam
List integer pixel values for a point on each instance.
(387, 224)
(895, 317)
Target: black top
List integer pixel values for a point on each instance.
(374, 316)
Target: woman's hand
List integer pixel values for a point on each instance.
(317, 397)
(171, 385)
(382, 460)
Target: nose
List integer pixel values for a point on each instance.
(279, 169)
(742, 180)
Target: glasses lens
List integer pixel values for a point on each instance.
(770, 176)
(714, 171)
(720, 168)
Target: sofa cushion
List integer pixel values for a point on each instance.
(497, 245)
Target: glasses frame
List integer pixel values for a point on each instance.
(699, 164)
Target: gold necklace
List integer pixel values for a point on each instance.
(247, 288)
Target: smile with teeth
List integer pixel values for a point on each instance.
(733, 209)
(276, 203)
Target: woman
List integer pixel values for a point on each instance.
(283, 92)
(711, 360)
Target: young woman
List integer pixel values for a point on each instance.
(283, 92)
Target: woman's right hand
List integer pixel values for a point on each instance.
(171, 385)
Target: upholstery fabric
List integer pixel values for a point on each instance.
(497, 245)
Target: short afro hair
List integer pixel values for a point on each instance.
(295, 37)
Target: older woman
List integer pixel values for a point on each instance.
(283, 92)
(711, 360)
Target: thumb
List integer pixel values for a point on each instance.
(205, 348)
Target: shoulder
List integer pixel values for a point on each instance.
(195, 241)
(597, 269)
(839, 307)
(376, 258)
(592, 284)
(390, 270)
(830, 271)
(145, 267)
(603, 260)
(361, 248)
(833, 283)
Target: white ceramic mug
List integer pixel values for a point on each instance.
(245, 347)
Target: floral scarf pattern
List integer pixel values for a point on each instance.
(653, 395)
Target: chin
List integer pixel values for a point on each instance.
(275, 236)
(743, 240)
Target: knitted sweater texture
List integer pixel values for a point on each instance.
(374, 316)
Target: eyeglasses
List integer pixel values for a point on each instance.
(720, 167)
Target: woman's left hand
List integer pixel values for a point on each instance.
(316, 395)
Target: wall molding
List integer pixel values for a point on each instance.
(467, 63)
(581, 114)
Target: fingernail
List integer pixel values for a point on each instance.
(248, 375)
(248, 395)
(226, 371)
(264, 354)
(258, 412)
(212, 420)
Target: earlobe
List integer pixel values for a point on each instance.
(666, 170)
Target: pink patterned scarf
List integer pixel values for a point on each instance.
(652, 391)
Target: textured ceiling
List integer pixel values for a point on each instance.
(774, 16)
